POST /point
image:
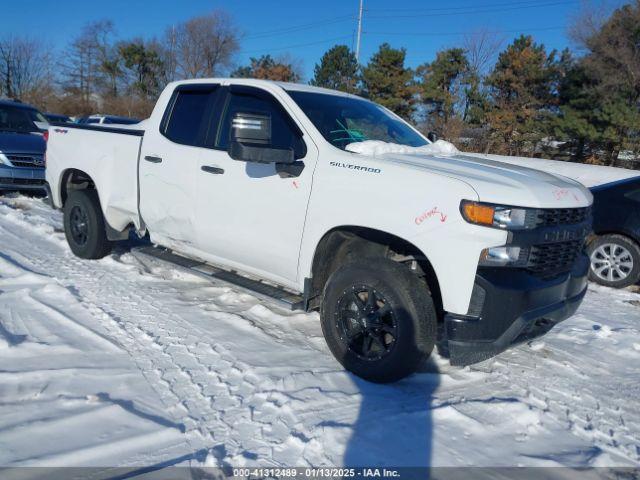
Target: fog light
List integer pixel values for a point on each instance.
(500, 256)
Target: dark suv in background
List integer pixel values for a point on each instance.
(57, 118)
(615, 250)
(22, 147)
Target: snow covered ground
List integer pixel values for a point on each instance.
(121, 362)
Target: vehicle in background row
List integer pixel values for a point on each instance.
(258, 183)
(106, 119)
(615, 250)
(22, 147)
(57, 118)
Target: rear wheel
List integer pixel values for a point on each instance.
(615, 261)
(84, 225)
(378, 319)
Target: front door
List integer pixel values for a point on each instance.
(249, 217)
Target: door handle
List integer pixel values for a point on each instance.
(152, 159)
(211, 169)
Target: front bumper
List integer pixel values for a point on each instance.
(17, 178)
(511, 306)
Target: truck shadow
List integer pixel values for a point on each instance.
(395, 425)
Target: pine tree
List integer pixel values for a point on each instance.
(576, 121)
(144, 65)
(441, 90)
(338, 69)
(522, 91)
(476, 100)
(600, 95)
(268, 68)
(387, 81)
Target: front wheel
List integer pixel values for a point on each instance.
(84, 225)
(615, 261)
(378, 319)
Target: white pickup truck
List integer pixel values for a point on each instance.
(259, 183)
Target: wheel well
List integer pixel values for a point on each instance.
(73, 179)
(630, 237)
(344, 243)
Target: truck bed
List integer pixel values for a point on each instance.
(109, 156)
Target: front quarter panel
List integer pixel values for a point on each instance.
(410, 202)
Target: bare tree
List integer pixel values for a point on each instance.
(25, 67)
(168, 53)
(109, 66)
(204, 46)
(91, 62)
(482, 48)
(588, 21)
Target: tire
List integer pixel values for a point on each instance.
(399, 319)
(615, 261)
(84, 225)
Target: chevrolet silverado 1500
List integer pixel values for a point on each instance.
(259, 183)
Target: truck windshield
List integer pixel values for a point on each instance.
(19, 119)
(343, 120)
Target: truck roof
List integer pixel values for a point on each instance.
(298, 87)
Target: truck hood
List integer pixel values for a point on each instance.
(21, 143)
(499, 182)
(588, 175)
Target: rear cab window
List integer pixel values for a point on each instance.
(187, 120)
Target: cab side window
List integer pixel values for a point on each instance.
(186, 121)
(283, 134)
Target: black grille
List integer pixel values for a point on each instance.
(552, 259)
(27, 161)
(20, 181)
(560, 216)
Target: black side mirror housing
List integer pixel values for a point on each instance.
(432, 136)
(251, 140)
(259, 154)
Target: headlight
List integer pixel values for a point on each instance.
(3, 159)
(497, 216)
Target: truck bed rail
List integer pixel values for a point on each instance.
(97, 128)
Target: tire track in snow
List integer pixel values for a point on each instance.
(587, 409)
(199, 395)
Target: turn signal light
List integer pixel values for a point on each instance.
(478, 213)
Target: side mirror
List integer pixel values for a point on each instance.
(432, 136)
(251, 140)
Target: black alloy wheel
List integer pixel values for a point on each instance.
(367, 323)
(78, 223)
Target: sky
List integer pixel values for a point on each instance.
(304, 30)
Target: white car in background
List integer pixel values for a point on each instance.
(106, 120)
